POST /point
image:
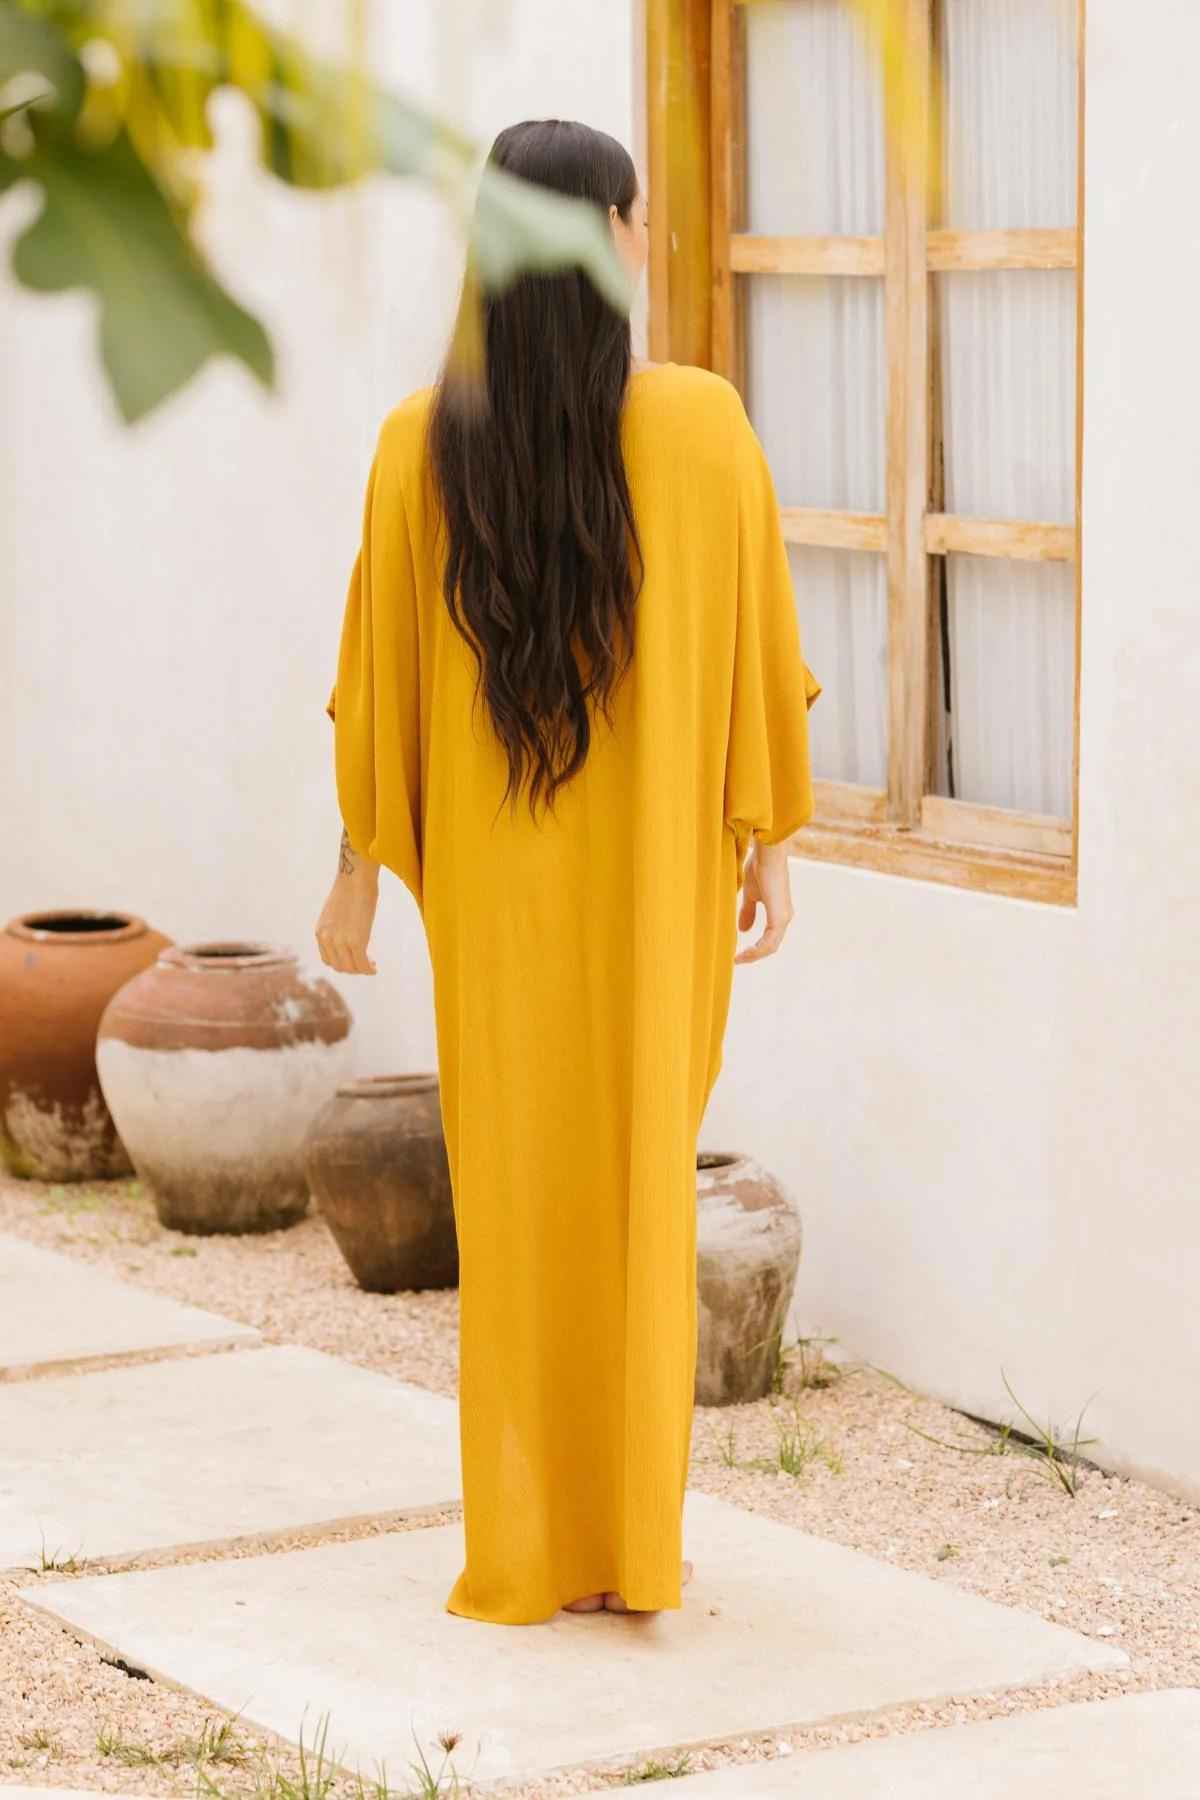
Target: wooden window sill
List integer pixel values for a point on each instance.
(920, 855)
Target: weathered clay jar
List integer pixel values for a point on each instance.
(58, 971)
(747, 1252)
(213, 1062)
(378, 1172)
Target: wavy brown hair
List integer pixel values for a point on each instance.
(541, 542)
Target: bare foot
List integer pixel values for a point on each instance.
(589, 1603)
(614, 1603)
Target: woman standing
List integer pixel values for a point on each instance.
(569, 692)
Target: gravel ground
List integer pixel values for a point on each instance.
(1120, 1561)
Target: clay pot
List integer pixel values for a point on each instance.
(58, 971)
(377, 1168)
(213, 1062)
(747, 1252)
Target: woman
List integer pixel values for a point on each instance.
(569, 691)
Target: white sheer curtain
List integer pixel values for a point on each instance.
(1008, 398)
(815, 366)
(816, 378)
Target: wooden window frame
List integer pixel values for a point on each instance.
(695, 70)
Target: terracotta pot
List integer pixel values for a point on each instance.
(213, 1062)
(58, 971)
(748, 1241)
(378, 1172)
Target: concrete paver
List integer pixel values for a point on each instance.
(206, 1449)
(57, 1312)
(778, 1628)
(1136, 1747)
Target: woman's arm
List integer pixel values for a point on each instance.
(344, 927)
(767, 879)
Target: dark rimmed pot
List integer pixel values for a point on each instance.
(748, 1241)
(378, 1172)
(58, 971)
(214, 1062)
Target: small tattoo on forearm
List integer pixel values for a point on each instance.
(346, 858)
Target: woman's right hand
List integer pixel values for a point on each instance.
(344, 927)
(766, 881)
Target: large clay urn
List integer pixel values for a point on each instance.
(378, 1172)
(747, 1252)
(58, 971)
(213, 1062)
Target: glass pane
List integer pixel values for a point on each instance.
(1008, 392)
(1008, 75)
(1010, 729)
(816, 386)
(814, 121)
(842, 600)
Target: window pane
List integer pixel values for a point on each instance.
(1008, 392)
(1012, 683)
(1008, 74)
(842, 597)
(814, 123)
(816, 386)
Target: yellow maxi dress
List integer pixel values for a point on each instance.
(582, 969)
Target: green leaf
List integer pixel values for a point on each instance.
(105, 224)
(31, 45)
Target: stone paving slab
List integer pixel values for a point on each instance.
(57, 1312)
(777, 1628)
(1137, 1747)
(206, 1449)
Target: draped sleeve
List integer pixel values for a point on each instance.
(374, 702)
(768, 774)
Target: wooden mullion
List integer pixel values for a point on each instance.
(798, 253)
(906, 315)
(753, 253)
(1021, 540)
(1040, 248)
(678, 95)
(723, 179)
(832, 529)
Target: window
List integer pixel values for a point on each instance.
(889, 268)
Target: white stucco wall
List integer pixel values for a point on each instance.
(173, 593)
(988, 1108)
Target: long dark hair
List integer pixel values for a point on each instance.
(541, 537)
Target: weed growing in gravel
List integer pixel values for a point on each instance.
(1048, 1454)
(799, 1447)
(72, 1200)
(40, 1740)
(813, 1368)
(660, 1771)
(217, 1743)
(52, 1562)
(320, 1775)
(727, 1449)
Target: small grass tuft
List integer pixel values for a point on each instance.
(1044, 1448)
(727, 1448)
(799, 1448)
(40, 1739)
(659, 1771)
(52, 1562)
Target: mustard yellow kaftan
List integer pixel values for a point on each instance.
(582, 970)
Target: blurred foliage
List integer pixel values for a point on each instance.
(104, 106)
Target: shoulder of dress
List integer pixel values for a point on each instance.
(402, 433)
(686, 400)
